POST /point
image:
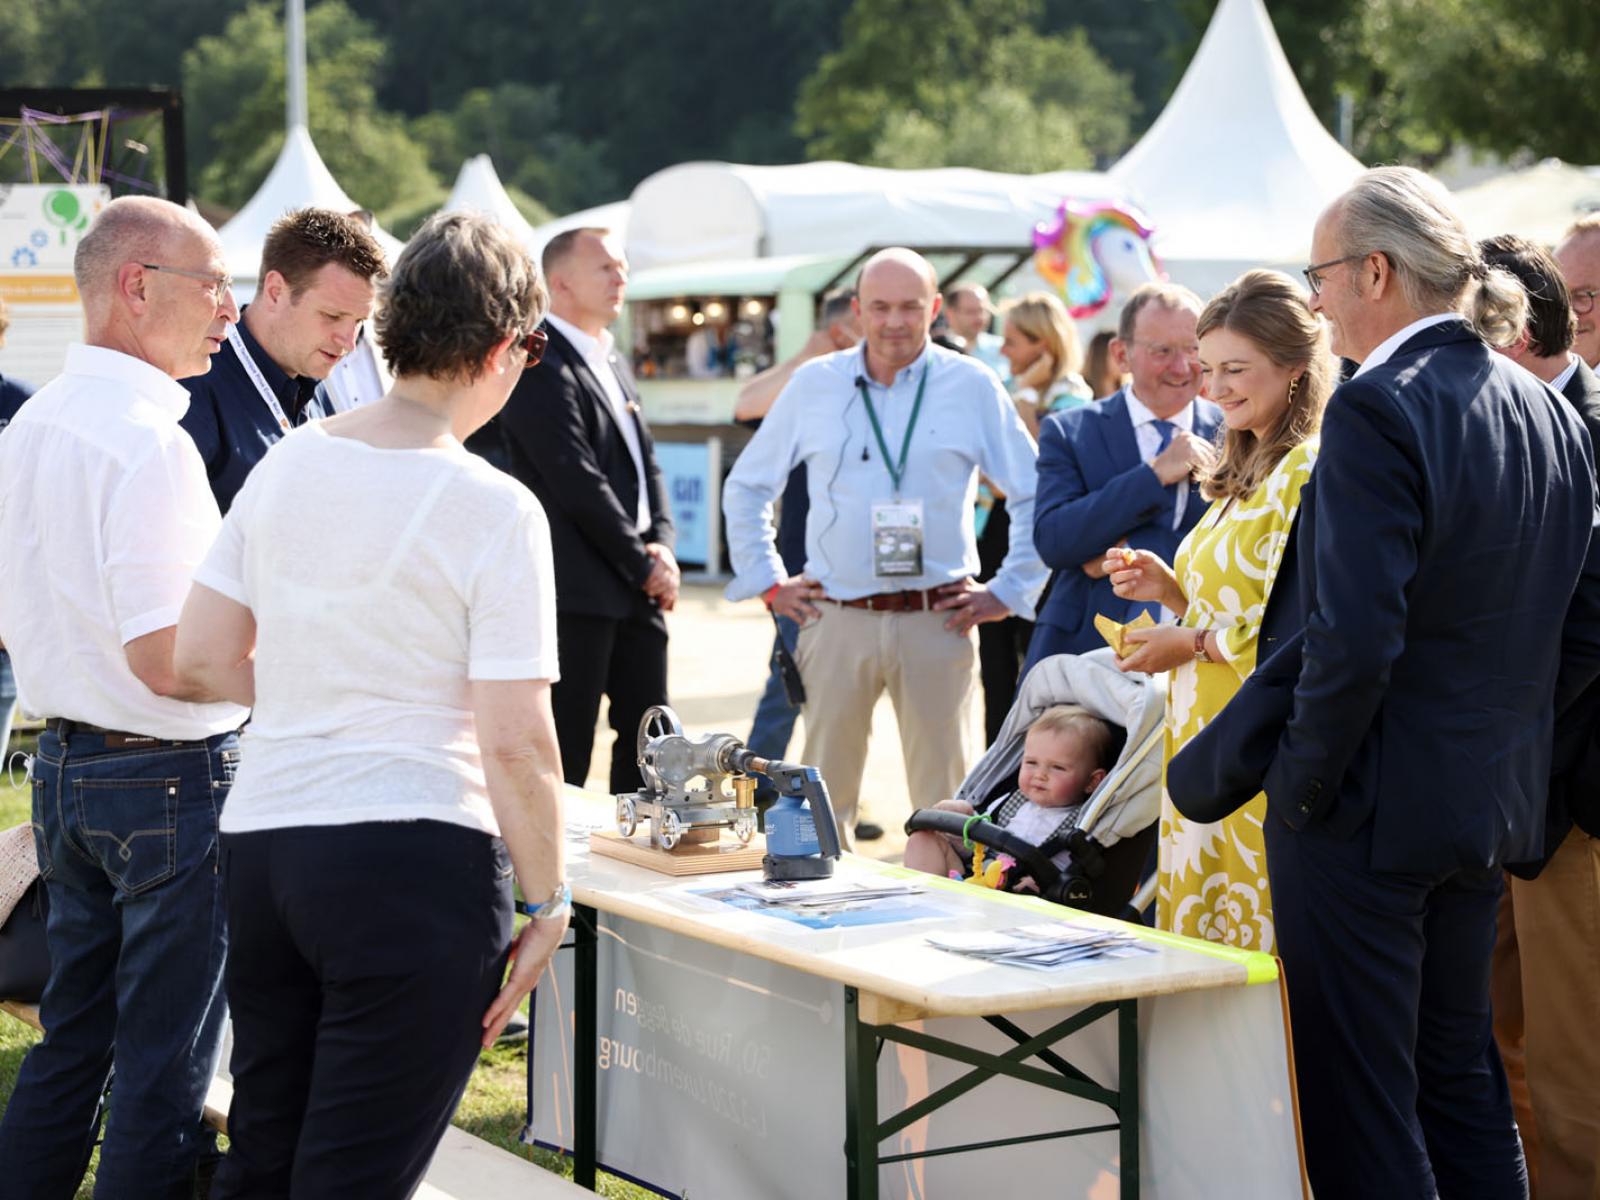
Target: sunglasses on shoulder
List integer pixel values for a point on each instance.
(534, 343)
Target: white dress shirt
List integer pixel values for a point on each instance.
(1386, 348)
(105, 512)
(967, 424)
(1561, 380)
(597, 354)
(1148, 437)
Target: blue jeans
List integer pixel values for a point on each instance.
(773, 724)
(128, 847)
(8, 706)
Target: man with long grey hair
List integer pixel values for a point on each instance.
(1439, 544)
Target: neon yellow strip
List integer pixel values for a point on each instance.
(1258, 967)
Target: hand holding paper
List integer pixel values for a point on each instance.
(1113, 631)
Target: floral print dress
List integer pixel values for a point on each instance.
(1213, 877)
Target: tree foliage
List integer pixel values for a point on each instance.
(520, 127)
(1001, 129)
(1498, 75)
(1424, 76)
(1145, 40)
(976, 74)
(234, 83)
(576, 102)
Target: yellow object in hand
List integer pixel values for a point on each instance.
(1115, 632)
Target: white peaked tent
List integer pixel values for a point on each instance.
(478, 190)
(706, 211)
(1237, 167)
(298, 179)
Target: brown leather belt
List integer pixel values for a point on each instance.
(893, 601)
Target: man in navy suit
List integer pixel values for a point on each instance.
(1120, 470)
(1546, 973)
(1439, 545)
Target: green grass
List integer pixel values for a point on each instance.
(492, 1108)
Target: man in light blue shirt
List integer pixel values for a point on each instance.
(893, 434)
(968, 311)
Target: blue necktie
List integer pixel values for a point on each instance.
(1166, 429)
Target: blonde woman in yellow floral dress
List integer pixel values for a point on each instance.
(1266, 365)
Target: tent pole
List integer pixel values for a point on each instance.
(295, 29)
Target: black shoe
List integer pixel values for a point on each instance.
(868, 831)
(516, 1031)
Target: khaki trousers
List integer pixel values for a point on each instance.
(851, 657)
(1558, 937)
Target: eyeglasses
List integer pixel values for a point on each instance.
(219, 283)
(1583, 302)
(1313, 274)
(1165, 353)
(534, 343)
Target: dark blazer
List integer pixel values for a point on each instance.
(1575, 777)
(562, 439)
(1438, 548)
(13, 394)
(1094, 490)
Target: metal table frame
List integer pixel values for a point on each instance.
(864, 1041)
(864, 1132)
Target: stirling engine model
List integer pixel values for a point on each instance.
(802, 840)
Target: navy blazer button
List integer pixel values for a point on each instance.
(1305, 807)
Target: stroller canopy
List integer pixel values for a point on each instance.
(1129, 799)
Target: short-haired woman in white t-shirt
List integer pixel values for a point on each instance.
(384, 600)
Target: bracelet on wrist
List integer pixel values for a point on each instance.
(1201, 654)
(771, 594)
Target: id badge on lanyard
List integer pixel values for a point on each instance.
(250, 369)
(897, 537)
(897, 525)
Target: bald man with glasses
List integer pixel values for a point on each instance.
(105, 512)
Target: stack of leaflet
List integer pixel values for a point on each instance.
(1042, 947)
(813, 895)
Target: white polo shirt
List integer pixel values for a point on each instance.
(104, 514)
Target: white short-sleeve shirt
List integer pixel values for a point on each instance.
(105, 512)
(382, 582)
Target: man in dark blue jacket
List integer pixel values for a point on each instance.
(318, 283)
(1546, 980)
(1119, 471)
(1438, 548)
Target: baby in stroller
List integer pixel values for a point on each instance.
(1065, 755)
(1097, 847)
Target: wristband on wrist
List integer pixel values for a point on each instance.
(559, 904)
(768, 596)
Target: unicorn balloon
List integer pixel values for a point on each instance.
(1089, 252)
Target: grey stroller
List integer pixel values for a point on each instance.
(1113, 835)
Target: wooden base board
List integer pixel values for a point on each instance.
(726, 854)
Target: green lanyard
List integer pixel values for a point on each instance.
(897, 470)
